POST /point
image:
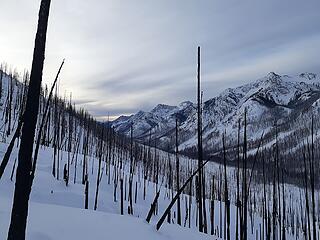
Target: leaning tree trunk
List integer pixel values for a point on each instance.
(44, 122)
(7, 155)
(174, 199)
(19, 212)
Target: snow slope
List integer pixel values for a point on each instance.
(50, 222)
(56, 211)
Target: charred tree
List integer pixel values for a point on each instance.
(226, 194)
(199, 130)
(22, 191)
(178, 177)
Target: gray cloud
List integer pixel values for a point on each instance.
(123, 56)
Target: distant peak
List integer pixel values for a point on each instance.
(309, 76)
(140, 113)
(273, 75)
(185, 104)
(122, 117)
(161, 106)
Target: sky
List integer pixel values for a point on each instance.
(123, 56)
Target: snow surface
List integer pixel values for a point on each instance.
(49, 222)
(56, 211)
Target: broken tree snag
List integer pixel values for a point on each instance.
(99, 169)
(19, 214)
(153, 207)
(86, 193)
(6, 157)
(13, 168)
(179, 191)
(121, 200)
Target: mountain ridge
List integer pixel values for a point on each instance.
(270, 99)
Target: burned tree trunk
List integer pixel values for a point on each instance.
(174, 199)
(199, 148)
(312, 184)
(99, 170)
(306, 194)
(86, 193)
(19, 212)
(177, 173)
(226, 194)
(153, 207)
(238, 201)
(6, 157)
(43, 122)
(244, 182)
(1, 77)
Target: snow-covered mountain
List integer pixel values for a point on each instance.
(280, 99)
(160, 120)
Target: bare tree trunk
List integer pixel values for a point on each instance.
(99, 169)
(306, 195)
(1, 77)
(226, 194)
(314, 228)
(212, 207)
(238, 202)
(265, 201)
(19, 212)
(199, 149)
(13, 168)
(121, 200)
(153, 207)
(179, 191)
(43, 122)
(245, 194)
(283, 209)
(6, 157)
(86, 192)
(177, 174)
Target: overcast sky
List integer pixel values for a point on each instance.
(125, 55)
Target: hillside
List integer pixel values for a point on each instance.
(91, 182)
(71, 144)
(57, 212)
(94, 157)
